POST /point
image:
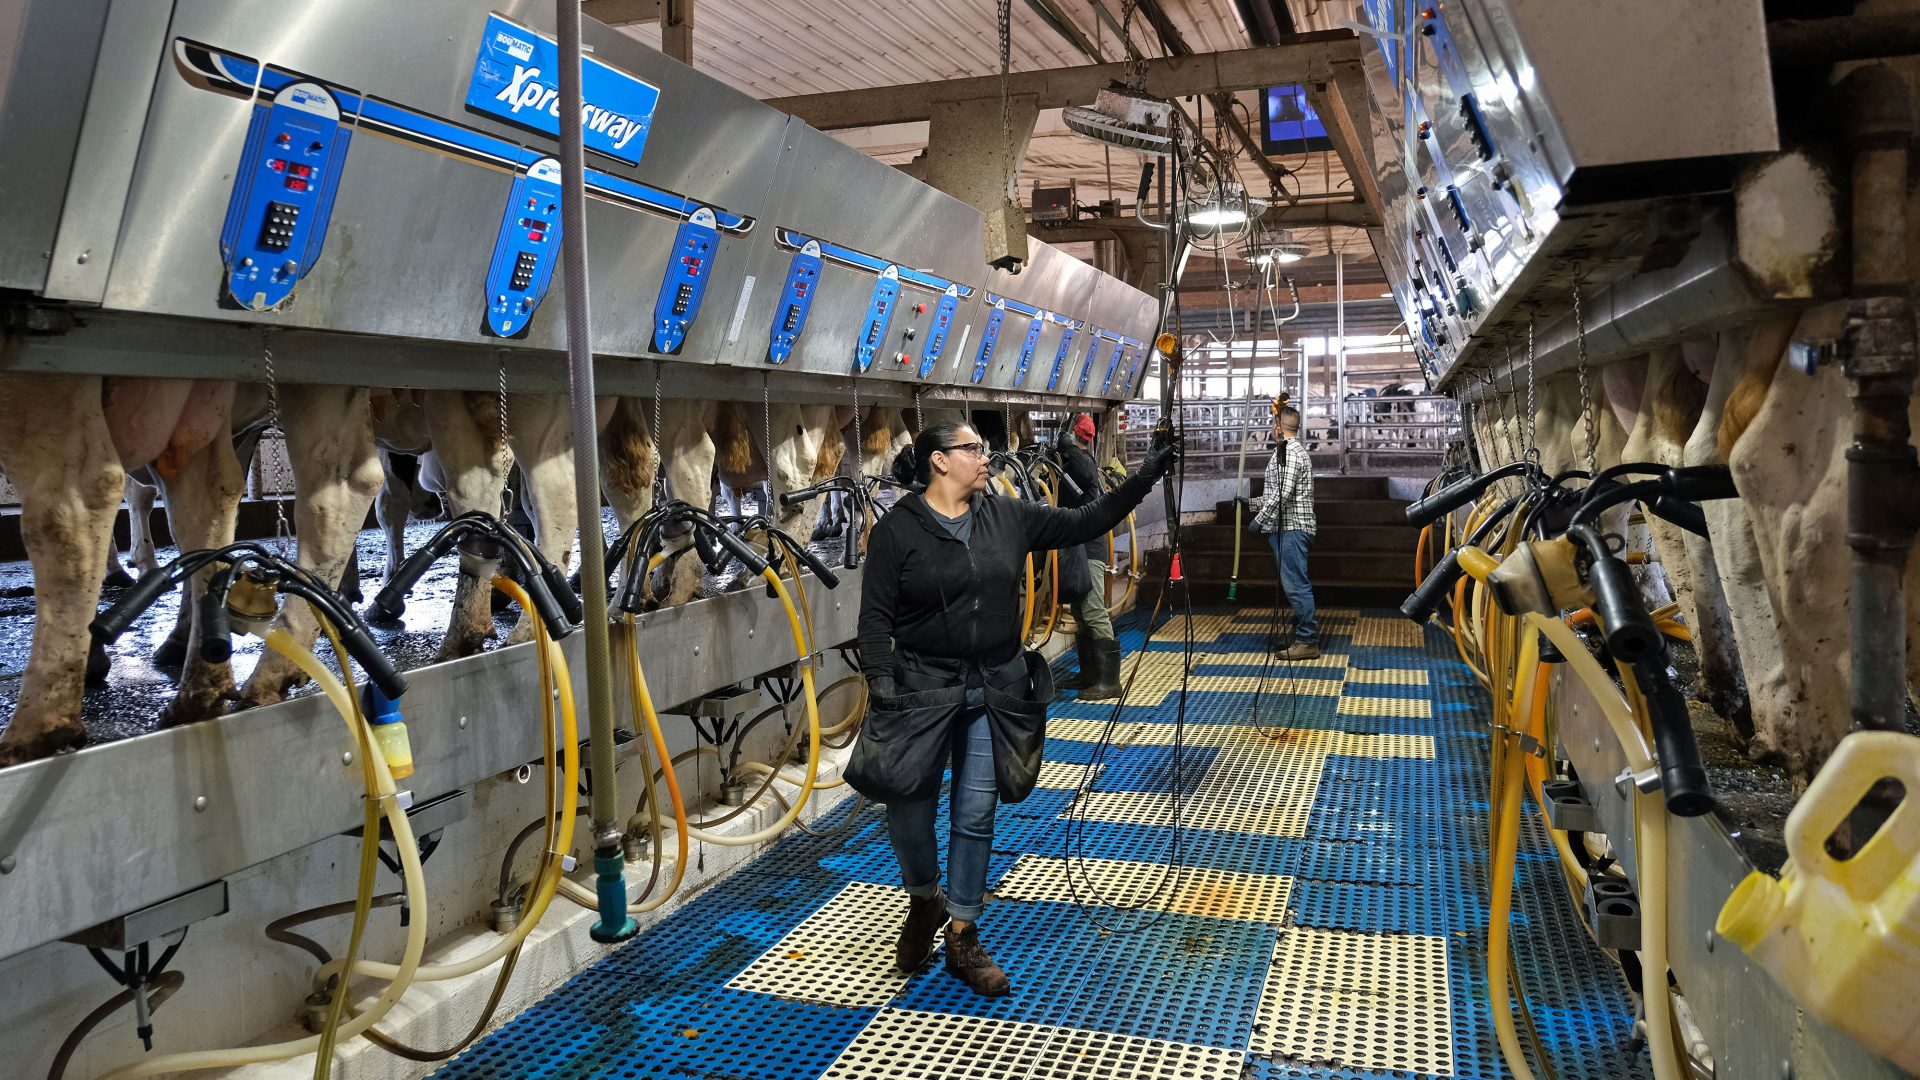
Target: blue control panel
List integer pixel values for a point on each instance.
(936, 342)
(1093, 357)
(796, 299)
(526, 249)
(283, 193)
(1060, 357)
(686, 282)
(989, 338)
(1026, 351)
(1113, 364)
(886, 296)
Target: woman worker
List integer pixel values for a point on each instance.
(947, 678)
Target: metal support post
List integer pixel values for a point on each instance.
(1340, 353)
(676, 30)
(608, 860)
(1883, 477)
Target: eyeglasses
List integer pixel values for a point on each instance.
(974, 448)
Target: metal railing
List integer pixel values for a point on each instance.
(1364, 436)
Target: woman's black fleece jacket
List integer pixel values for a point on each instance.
(926, 593)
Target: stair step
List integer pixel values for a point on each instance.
(1401, 539)
(1364, 567)
(1359, 512)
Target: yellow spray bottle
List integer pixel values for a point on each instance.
(1843, 935)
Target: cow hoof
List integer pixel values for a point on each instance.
(117, 578)
(191, 708)
(171, 656)
(98, 664)
(18, 747)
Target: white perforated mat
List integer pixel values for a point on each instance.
(1220, 894)
(1365, 1001)
(901, 1045)
(839, 955)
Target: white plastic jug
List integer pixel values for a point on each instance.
(1843, 935)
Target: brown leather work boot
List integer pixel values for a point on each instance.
(968, 960)
(1299, 650)
(925, 916)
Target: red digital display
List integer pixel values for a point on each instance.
(276, 165)
(536, 235)
(294, 183)
(300, 170)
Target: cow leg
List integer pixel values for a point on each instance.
(203, 499)
(337, 473)
(539, 432)
(690, 453)
(466, 437)
(391, 509)
(627, 465)
(116, 576)
(56, 448)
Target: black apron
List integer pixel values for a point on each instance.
(904, 741)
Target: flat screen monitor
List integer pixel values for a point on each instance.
(1290, 126)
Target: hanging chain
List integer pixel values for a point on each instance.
(1586, 388)
(1533, 413)
(505, 453)
(1137, 62)
(282, 530)
(859, 441)
(1006, 72)
(919, 418)
(1006, 418)
(653, 436)
(766, 432)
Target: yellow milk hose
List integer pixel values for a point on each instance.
(546, 880)
(415, 883)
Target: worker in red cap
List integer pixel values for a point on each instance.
(1083, 575)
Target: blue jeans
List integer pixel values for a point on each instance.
(970, 841)
(1290, 553)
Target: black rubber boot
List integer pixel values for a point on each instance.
(1083, 658)
(925, 916)
(968, 960)
(1106, 671)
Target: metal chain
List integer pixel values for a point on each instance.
(1533, 412)
(505, 455)
(766, 432)
(1586, 388)
(919, 418)
(859, 441)
(1006, 72)
(1138, 62)
(1006, 418)
(282, 530)
(653, 436)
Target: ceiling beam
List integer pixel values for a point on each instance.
(1341, 104)
(1303, 58)
(1176, 45)
(1351, 214)
(621, 12)
(1055, 16)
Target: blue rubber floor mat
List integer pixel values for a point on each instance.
(1364, 797)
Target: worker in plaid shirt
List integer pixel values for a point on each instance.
(1285, 513)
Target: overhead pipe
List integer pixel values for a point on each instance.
(1811, 43)
(608, 825)
(1704, 292)
(1883, 477)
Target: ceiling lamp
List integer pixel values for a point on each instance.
(1125, 117)
(1270, 246)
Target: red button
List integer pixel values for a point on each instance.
(919, 309)
(283, 138)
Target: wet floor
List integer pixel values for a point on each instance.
(135, 692)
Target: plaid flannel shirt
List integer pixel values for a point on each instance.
(1287, 503)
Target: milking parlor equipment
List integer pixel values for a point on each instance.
(387, 197)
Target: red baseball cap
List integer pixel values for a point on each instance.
(1083, 426)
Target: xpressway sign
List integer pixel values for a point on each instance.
(517, 78)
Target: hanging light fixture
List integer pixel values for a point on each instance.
(1226, 207)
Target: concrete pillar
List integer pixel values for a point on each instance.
(676, 30)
